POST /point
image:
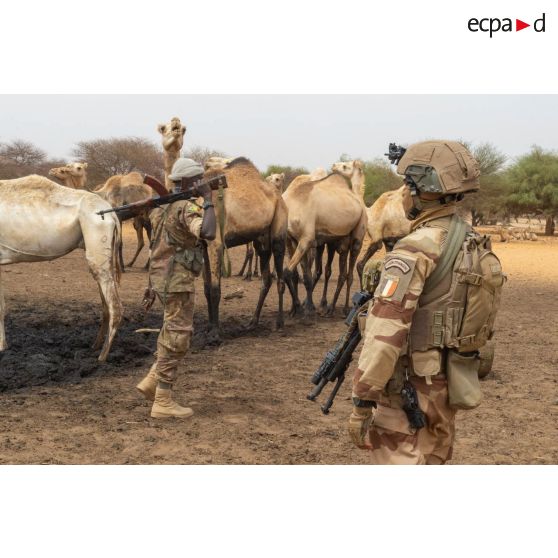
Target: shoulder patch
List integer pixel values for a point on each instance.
(396, 278)
(398, 263)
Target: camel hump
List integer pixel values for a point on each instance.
(239, 161)
(33, 182)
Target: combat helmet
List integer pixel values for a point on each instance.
(440, 167)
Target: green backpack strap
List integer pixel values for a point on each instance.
(456, 235)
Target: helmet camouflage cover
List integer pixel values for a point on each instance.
(444, 167)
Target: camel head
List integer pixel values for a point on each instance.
(71, 174)
(216, 163)
(277, 180)
(348, 168)
(173, 134)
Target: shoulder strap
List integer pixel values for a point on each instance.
(456, 235)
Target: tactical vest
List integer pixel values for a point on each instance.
(460, 299)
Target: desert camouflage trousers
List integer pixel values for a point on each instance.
(395, 443)
(175, 335)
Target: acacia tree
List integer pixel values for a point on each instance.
(20, 158)
(489, 201)
(534, 185)
(202, 154)
(107, 157)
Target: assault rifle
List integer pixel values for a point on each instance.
(336, 361)
(189, 191)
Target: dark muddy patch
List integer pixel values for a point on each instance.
(55, 346)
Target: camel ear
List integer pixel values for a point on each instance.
(84, 166)
(183, 130)
(282, 176)
(358, 164)
(161, 128)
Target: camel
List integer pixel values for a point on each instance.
(41, 220)
(354, 172)
(321, 212)
(278, 181)
(387, 223)
(254, 212)
(173, 138)
(216, 163)
(72, 175)
(122, 189)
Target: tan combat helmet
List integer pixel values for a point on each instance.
(440, 167)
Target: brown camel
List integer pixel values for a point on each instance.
(123, 189)
(387, 223)
(172, 138)
(72, 175)
(354, 172)
(277, 180)
(253, 212)
(322, 211)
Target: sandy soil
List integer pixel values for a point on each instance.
(59, 405)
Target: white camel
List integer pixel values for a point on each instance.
(41, 220)
(72, 175)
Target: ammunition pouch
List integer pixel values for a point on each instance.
(191, 259)
(463, 380)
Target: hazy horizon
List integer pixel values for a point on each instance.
(297, 130)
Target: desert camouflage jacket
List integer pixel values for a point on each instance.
(176, 225)
(404, 273)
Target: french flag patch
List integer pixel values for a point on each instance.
(390, 287)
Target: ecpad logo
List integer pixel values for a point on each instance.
(493, 25)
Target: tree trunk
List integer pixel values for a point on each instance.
(549, 228)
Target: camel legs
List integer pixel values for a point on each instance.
(213, 254)
(3, 344)
(138, 226)
(353, 255)
(327, 276)
(370, 251)
(278, 250)
(247, 265)
(343, 254)
(263, 248)
(100, 243)
(290, 273)
(318, 263)
(306, 263)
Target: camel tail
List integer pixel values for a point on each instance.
(116, 242)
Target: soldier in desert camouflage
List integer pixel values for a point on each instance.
(408, 330)
(176, 260)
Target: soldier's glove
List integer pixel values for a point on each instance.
(359, 424)
(148, 298)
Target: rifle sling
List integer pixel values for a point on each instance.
(226, 263)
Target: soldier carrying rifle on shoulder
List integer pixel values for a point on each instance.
(179, 227)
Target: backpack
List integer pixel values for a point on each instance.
(460, 299)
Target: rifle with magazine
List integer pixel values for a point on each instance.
(337, 361)
(189, 190)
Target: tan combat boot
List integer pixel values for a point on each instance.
(148, 385)
(165, 407)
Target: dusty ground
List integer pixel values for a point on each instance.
(59, 405)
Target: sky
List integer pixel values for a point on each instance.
(297, 130)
